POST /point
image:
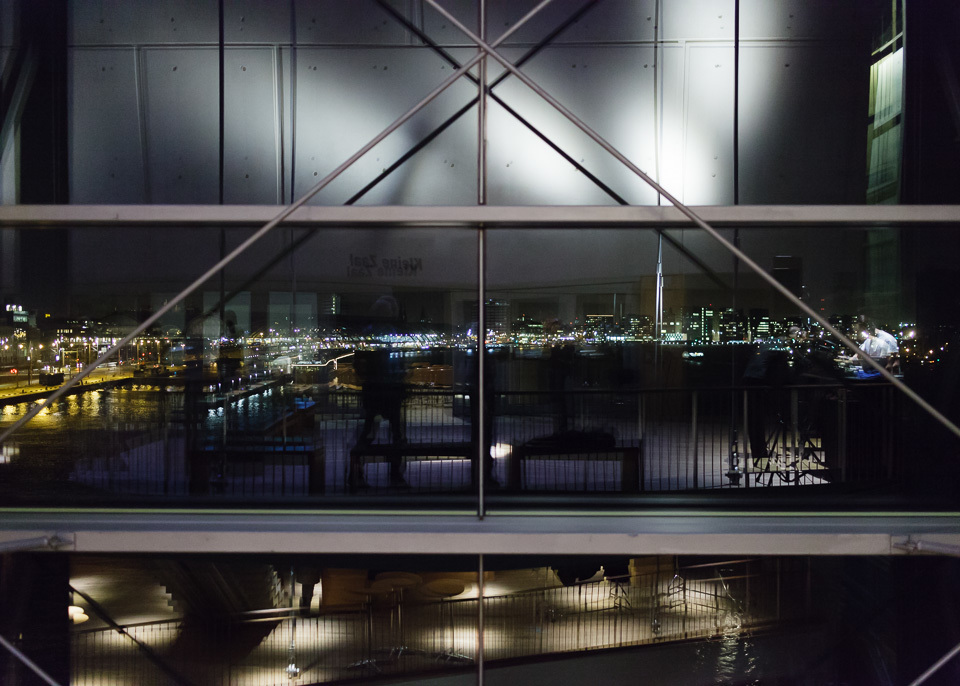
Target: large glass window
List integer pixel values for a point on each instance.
(340, 366)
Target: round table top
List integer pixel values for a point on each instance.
(444, 588)
(395, 581)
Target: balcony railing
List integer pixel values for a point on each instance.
(388, 632)
(313, 444)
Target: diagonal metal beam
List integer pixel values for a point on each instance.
(266, 228)
(527, 56)
(311, 232)
(696, 219)
(33, 666)
(430, 137)
(143, 647)
(936, 665)
(413, 28)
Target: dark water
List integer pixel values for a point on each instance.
(97, 419)
(76, 421)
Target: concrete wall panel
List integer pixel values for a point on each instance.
(251, 165)
(358, 22)
(255, 21)
(697, 20)
(795, 19)
(611, 90)
(347, 97)
(802, 127)
(105, 151)
(708, 125)
(125, 22)
(608, 21)
(181, 106)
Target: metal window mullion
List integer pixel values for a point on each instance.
(795, 444)
(482, 112)
(481, 395)
(692, 451)
(480, 620)
(481, 413)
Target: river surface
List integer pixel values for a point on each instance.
(92, 419)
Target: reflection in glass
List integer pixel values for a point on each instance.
(329, 370)
(259, 619)
(617, 362)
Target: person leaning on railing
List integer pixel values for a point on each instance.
(881, 346)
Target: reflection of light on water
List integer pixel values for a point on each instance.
(88, 421)
(88, 410)
(8, 453)
(731, 659)
(736, 659)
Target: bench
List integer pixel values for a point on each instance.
(251, 457)
(399, 454)
(555, 468)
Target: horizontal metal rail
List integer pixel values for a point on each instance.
(544, 217)
(698, 529)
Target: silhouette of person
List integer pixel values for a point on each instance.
(381, 375)
(559, 370)
(767, 371)
(230, 358)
